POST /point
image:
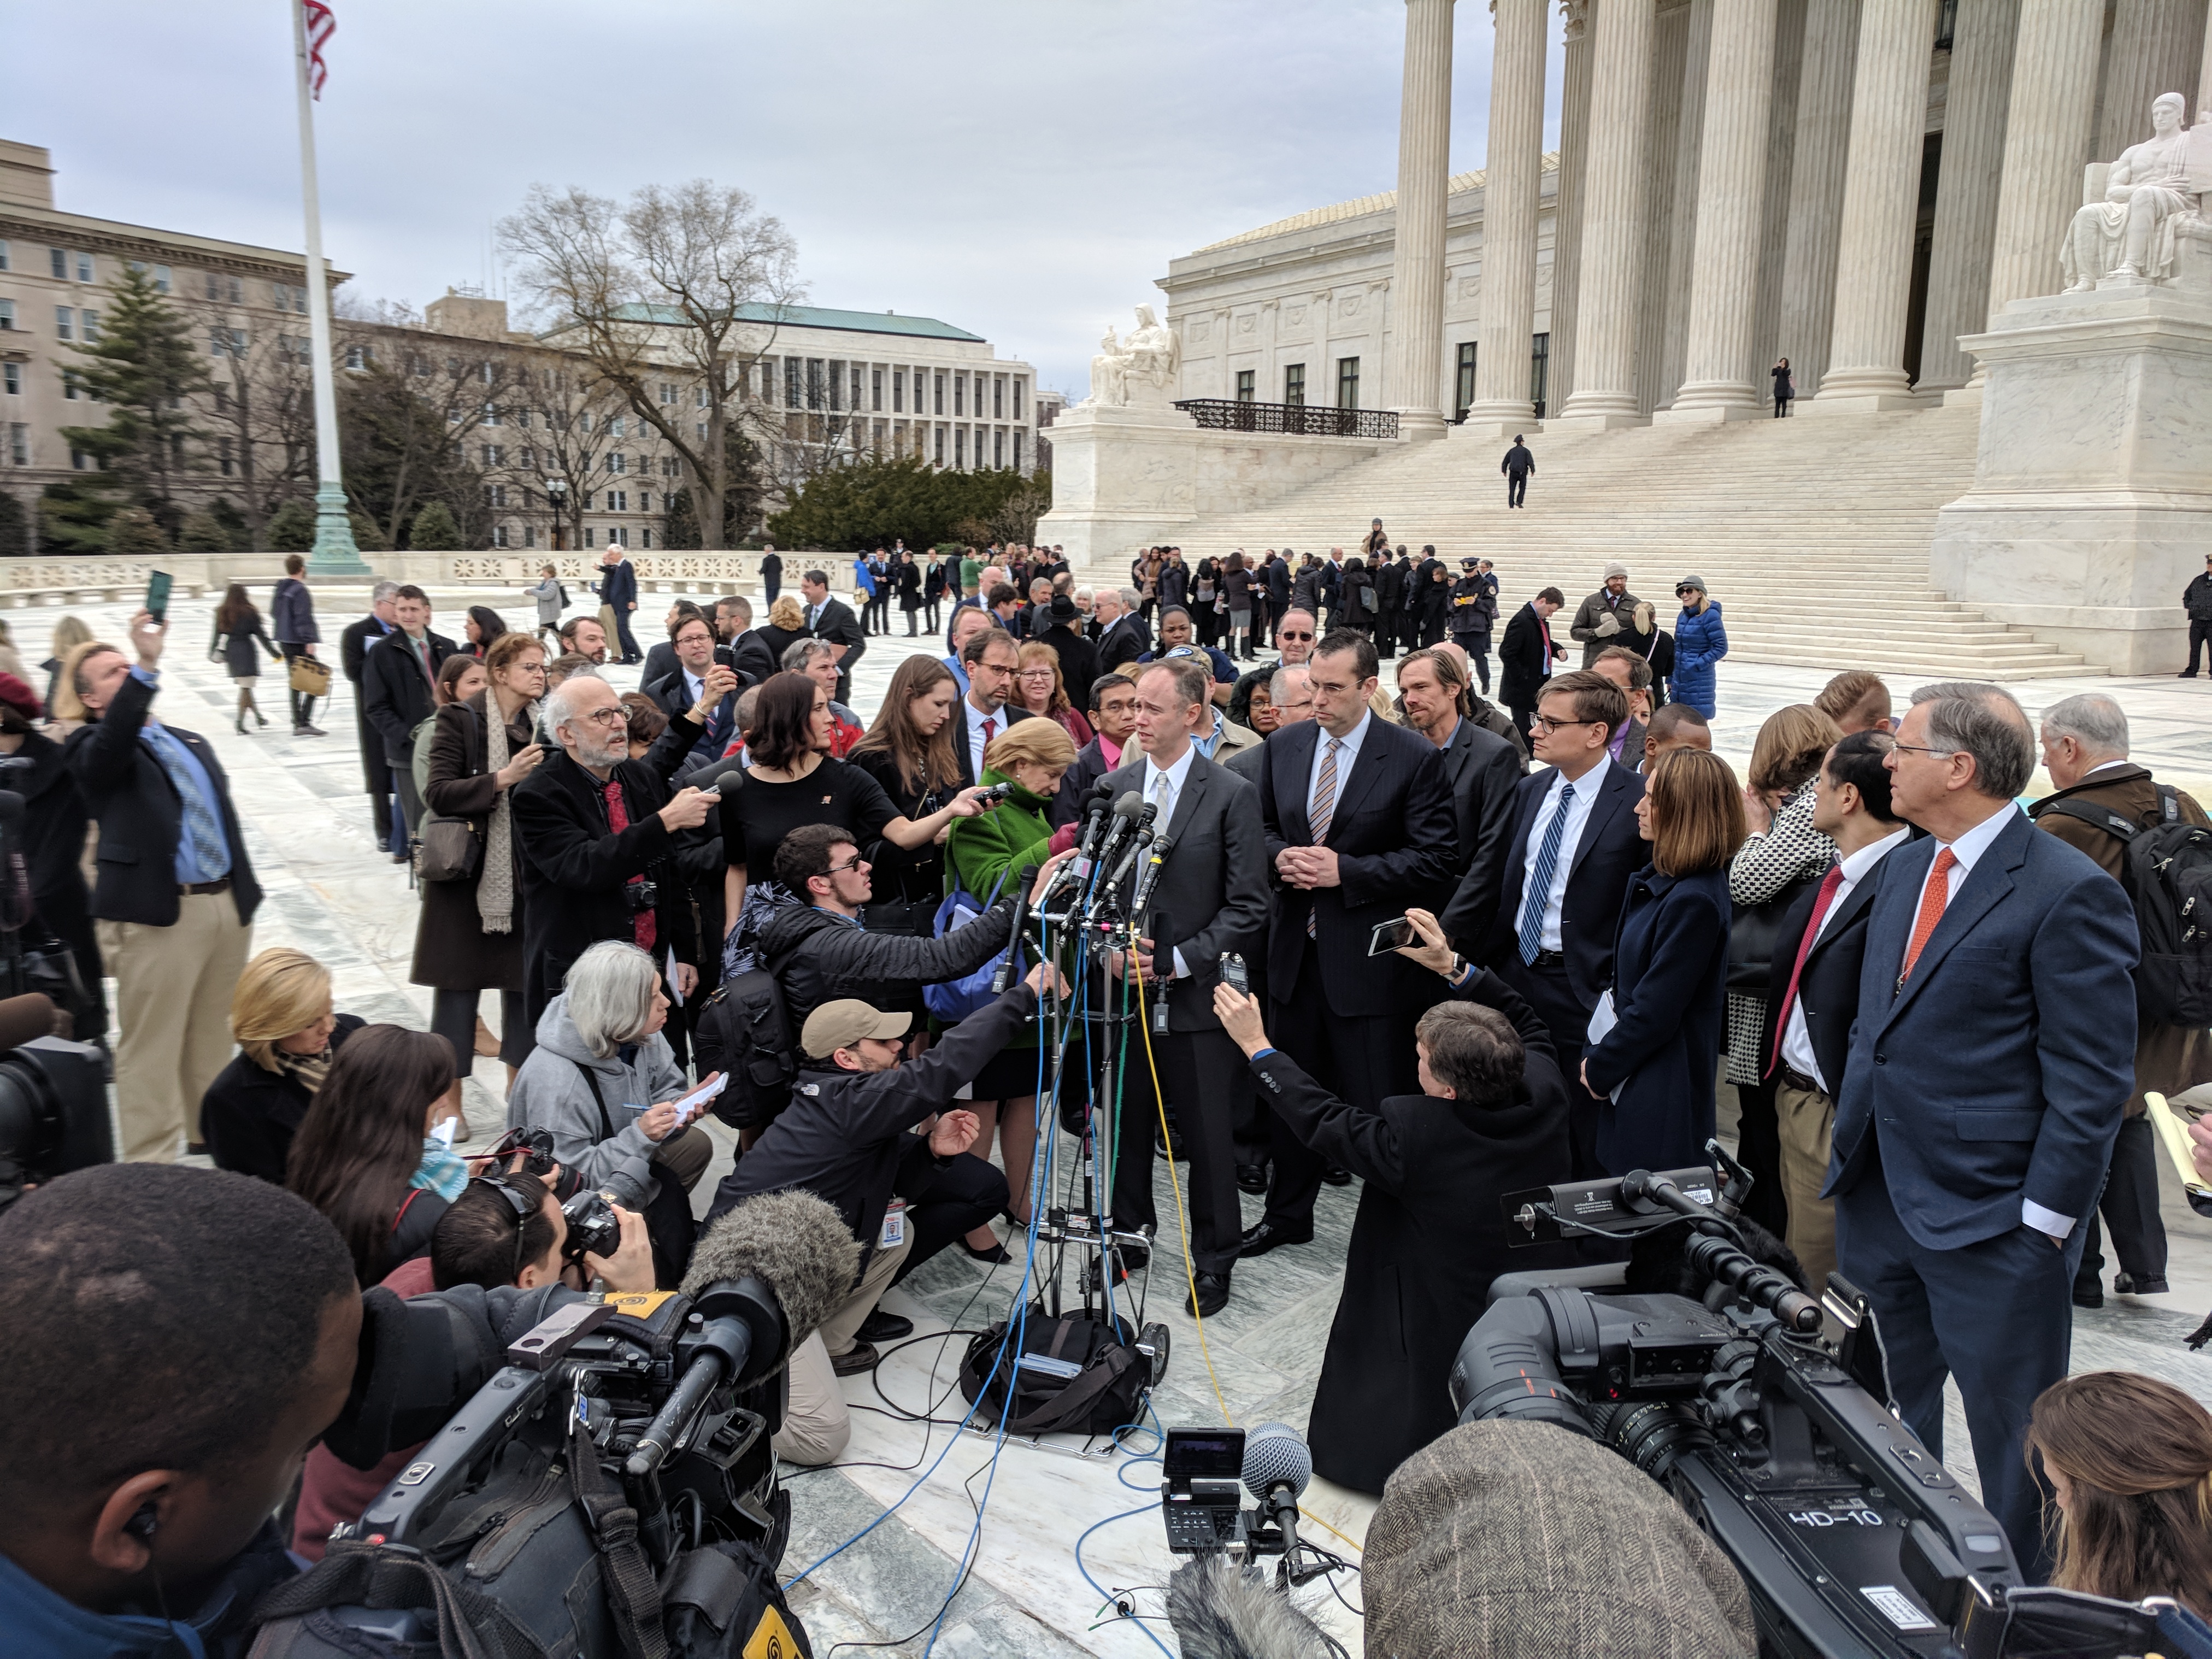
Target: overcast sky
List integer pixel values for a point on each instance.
(1024, 169)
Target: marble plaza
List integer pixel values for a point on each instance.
(306, 825)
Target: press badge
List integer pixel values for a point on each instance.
(894, 1232)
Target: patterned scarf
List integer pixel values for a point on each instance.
(496, 886)
(308, 1070)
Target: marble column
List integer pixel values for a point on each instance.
(1667, 216)
(1509, 215)
(2204, 75)
(2054, 88)
(1780, 171)
(1732, 195)
(2157, 46)
(1567, 204)
(1816, 196)
(1881, 200)
(1417, 263)
(1681, 225)
(1966, 190)
(1613, 219)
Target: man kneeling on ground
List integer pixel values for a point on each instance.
(848, 1138)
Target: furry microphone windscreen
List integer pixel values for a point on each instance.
(1218, 1611)
(791, 1242)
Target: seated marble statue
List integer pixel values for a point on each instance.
(1110, 372)
(2131, 232)
(1155, 353)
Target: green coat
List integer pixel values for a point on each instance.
(980, 851)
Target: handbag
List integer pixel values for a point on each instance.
(1753, 933)
(448, 849)
(954, 999)
(311, 676)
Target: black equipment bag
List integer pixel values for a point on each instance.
(724, 1602)
(2169, 878)
(744, 1030)
(1100, 1395)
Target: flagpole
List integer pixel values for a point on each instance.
(334, 553)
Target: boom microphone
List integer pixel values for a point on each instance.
(1127, 812)
(1136, 848)
(1149, 876)
(763, 1279)
(1007, 962)
(1277, 1469)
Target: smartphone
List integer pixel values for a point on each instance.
(157, 595)
(1389, 935)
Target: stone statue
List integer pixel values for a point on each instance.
(1142, 369)
(2129, 236)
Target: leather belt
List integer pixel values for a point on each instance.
(1798, 1080)
(220, 886)
(1550, 959)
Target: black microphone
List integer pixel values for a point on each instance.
(1144, 838)
(1008, 963)
(1127, 812)
(1149, 876)
(1077, 869)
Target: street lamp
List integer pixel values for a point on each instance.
(556, 488)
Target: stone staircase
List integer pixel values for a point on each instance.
(1812, 533)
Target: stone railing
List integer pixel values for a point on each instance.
(93, 580)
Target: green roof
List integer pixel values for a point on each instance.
(858, 322)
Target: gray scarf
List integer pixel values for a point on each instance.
(496, 886)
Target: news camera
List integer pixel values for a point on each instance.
(1764, 1412)
(54, 1100)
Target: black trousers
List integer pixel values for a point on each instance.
(624, 636)
(1361, 1060)
(958, 1197)
(453, 1017)
(2200, 635)
(1516, 488)
(1477, 654)
(1201, 1072)
(1759, 1148)
(2129, 1207)
(377, 775)
(1545, 986)
(303, 706)
(1523, 714)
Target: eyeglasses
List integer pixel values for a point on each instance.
(858, 863)
(1287, 634)
(1922, 749)
(1540, 724)
(607, 717)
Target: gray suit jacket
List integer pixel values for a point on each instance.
(1211, 895)
(1484, 770)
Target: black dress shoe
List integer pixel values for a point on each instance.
(995, 1254)
(2125, 1285)
(881, 1327)
(1264, 1237)
(1333, 1176)
(1251, 1177)
(2094, 1296)
(861, 1357)
(1213, 1294)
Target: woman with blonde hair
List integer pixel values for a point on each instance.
(68, 707)
(785, 626)
(983, 855)
(70, 631)
(1782, 856)
(2130, 1462)
(288, 1032)
(1655, 1038)
(1040, 688)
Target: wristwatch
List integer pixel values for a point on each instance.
(1459, 967)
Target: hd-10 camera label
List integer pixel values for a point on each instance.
(1846, 1512)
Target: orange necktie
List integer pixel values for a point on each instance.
(1933, 898)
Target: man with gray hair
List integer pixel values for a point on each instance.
(1122, 633)
(1603, 617)
(376, 772)
(1987, 1075)
(2100, 800)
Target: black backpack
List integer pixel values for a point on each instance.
(744, 1030)
(1072, 1374)
(2169, 877)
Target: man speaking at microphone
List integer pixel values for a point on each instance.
(1209, 897)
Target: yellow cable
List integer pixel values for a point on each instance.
(1326, 1528)
(1174, 1187)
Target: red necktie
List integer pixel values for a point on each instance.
(1821, 900)
(1933, 898)
(1547, 627)
(642, 924)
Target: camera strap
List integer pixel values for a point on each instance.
(632, 1592)
(592, 1082)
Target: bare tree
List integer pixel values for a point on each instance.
(579, 426)
(262, 425)
(690, 280)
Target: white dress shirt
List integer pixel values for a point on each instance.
(1968, 850)
(1797, 1040)
(1347, 752)
(1175, 778)
(976, 742)
(1578, 812)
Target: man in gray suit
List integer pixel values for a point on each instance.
(1211, 898)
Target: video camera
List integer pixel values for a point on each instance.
(54, 1100)
(1854, 1542)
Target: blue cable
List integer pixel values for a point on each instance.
(1104, 1595)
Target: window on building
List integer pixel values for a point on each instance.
(526, 458)
(699, 395)
(299, 299)
(357, 356)
(940, 446)
(876, 390)
(1018, 384)
(282, 291)
(81, 462)
(491, 413)
(618, 426)
(814, 389)
(998, 445)
(494, 455)
(898, 391)
(64, 322)
(617, 500)
(1247, 390)
(584, 421)
(668, 465)
(69, 384)
(11, 378)
(999, 397)
(1539, 370)
(938, 389)
(619, 537)
(495, 495)
(223, 463)
(645, 501)
(960, 448)
(60, 259)
(703, 431)
(667, 393)
(4, 265)
(1347, 382)
(86, 271)
(1294, 383)
(960, 395)
(88, 321)
(529, 535)
(7, 316)
(19, 443)
(1465, 389)
(588, 531)
(617, 461)
(792, 370)
(498, 535)
(1018, 449)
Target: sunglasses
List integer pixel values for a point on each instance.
(523, 1206)
(1287, 634)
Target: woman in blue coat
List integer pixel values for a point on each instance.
(1700, 642)
(1658, 1059)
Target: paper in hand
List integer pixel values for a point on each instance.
(694, 1102)
(2173, 1128)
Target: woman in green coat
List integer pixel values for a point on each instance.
(981, 854)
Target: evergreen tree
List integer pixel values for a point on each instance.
(73, 518)
(291, 528)
(367, 534)
(867, 502)
(202, 533)
(15, 527)
(435, 529)
(144, 367)
(134, 530)
(233, 524)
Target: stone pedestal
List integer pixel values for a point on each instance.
(1126, 477)
(2091, 502)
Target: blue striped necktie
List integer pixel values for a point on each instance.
(1539, 888)
(211, 852)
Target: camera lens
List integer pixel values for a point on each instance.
(1653, 1435)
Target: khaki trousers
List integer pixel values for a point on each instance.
(815, 1425)
(172, 991)
(1806, 1119)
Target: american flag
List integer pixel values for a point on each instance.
(321, 25)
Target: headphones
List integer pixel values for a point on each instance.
(143, 1525)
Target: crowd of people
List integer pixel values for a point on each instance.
(1923, 997)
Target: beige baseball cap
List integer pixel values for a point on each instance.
(842, 1024)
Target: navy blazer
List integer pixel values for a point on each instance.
(1669, 994)
(140, 814)
(1611, 851)
(1393, 836)
(1484, 770)
(2001, 1070)
(1828, 988)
